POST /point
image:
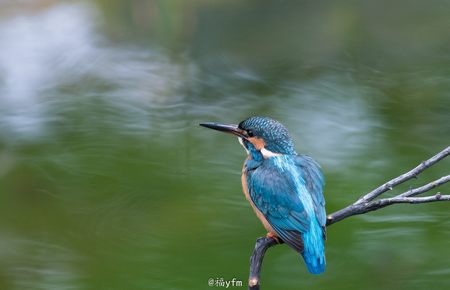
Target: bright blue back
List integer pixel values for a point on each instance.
(288, 190)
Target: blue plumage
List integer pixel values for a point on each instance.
(285, 189)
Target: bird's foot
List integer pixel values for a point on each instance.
(273, 236)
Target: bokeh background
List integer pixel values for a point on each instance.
(107, 182)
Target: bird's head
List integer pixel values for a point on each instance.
(262, 137)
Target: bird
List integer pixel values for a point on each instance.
(284, 188)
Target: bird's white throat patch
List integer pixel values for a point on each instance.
(243, 145)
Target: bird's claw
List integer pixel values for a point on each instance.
(273, 236)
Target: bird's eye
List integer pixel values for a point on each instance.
(250, 133)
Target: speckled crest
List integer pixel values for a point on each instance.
(274, 134)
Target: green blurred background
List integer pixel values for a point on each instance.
(107, 182)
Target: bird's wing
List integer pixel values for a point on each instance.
(275, 194)
(314, 181)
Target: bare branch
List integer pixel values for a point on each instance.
(261, 245)
(423, 199)
(381, 203)
(426, 187)
(404, 177)
(406, 197)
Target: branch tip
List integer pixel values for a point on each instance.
(253, 282)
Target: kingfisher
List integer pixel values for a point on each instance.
(285, 189)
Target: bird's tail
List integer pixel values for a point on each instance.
(314, 250)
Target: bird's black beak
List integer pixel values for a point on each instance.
(227, 128)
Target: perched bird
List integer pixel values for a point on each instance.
(285, 189)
